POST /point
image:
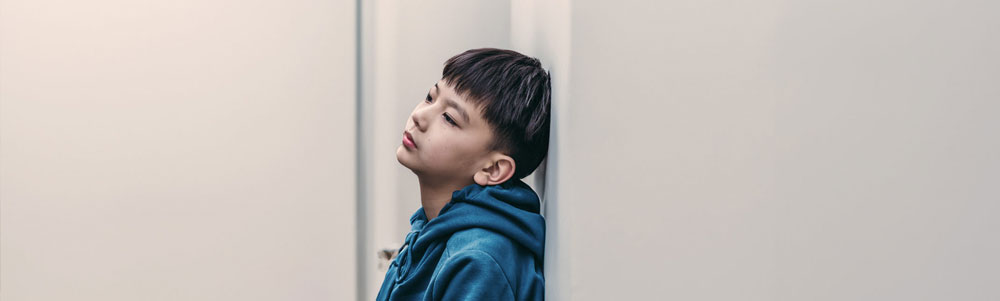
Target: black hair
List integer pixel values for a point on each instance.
(514, 93)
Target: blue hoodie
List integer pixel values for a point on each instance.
(486, 244)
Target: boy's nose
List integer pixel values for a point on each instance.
(416, 120)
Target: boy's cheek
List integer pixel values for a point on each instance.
(435, 156)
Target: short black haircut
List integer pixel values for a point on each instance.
(514, 93)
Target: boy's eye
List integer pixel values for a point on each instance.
(448, 118)
(428, 97)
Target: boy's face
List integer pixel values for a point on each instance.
(448, 145)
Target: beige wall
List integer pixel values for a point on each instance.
(178, 150)
(817, 150)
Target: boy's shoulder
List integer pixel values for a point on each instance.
(479, 241)
(491, 260)
(471, 268)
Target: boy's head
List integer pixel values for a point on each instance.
(503, 132)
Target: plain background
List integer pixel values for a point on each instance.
(177, 150)
(720, 150)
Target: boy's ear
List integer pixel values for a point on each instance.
(498, 169)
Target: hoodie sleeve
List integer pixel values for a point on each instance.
(470, 275)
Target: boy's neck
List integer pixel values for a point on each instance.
(434, 195)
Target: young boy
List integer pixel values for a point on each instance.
(478, 235)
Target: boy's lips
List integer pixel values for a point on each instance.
(408, 140)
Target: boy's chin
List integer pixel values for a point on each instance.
(403, 157)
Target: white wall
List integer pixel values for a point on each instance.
(178, 150)
(777, 150)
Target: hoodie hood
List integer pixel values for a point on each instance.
(510, 209)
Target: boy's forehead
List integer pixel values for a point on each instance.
(444, 85)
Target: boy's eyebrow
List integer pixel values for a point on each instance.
(450, 103)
